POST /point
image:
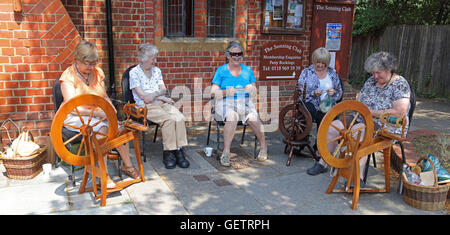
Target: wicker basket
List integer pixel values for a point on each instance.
(425, 197)
(25, 167)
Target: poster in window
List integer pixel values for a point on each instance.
(294, 14)
(277, 9)
(269, 5)
(333, 36)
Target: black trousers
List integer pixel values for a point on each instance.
(316, 115)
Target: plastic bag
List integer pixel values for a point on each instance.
(23, 146)
(441, 172)
(326, 103)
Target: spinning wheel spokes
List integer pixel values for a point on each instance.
(295, 122)
(348, 136)
(86, 128)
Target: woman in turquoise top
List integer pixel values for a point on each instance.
(235, 94)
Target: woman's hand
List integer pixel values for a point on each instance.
(318, 92)
(149, 97)
(331, 91)
(166, 100)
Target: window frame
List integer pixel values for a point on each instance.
(283, 29)
(233, 18)
(185, 21)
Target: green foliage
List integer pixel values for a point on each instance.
(372, 16)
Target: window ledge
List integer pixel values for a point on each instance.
(194, 43)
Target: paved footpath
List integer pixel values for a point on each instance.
(264, 189)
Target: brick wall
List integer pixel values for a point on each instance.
(35, 47)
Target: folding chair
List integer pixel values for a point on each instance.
(128, 97)
(222, 123)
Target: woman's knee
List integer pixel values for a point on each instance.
(232, 116)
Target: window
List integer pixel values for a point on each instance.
(178, 20)
(283, 16)
(220, 18)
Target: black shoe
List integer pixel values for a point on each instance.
(317, 169)
(169, 159)
(181, 160)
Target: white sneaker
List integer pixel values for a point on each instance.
(262, 155)
(225, 160)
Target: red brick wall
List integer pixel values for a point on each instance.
(35, 47)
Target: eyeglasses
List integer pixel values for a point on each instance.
(237, 54)
(87, 64)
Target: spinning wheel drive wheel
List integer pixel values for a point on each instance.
(347, 112)
(295, 123)
(86, 128)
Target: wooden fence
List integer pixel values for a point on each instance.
(423, 53)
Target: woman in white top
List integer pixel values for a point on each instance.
(148, 89)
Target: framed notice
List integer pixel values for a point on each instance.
(334, 35)
(283, 16)
(281, 60)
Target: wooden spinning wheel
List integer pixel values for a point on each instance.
(355, 140)
(94, 144)
(347, 112)
(81, 158)
(295, 123)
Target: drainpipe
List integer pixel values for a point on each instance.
(112, 79)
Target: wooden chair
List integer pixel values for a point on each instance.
(97, 145)
(219, 123)
(128, 98)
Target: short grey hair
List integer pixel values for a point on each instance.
(381, 60)
(145, 51)
(230, 46)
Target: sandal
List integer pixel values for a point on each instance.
(130, 171)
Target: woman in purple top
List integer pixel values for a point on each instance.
(320, 80)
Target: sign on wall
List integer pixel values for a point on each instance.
(281, 60)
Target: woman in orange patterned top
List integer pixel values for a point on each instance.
(85, 77)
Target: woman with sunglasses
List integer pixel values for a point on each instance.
(234, 91)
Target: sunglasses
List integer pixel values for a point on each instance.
(237, 54)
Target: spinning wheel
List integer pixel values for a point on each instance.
(295, 123)
(81, 158)
(94, 144)
(354, 141)
(347, 112)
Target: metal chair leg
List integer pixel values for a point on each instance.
(209, 132)
(72, 176)
(400, 183)
(243, 135)
(156, 133)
